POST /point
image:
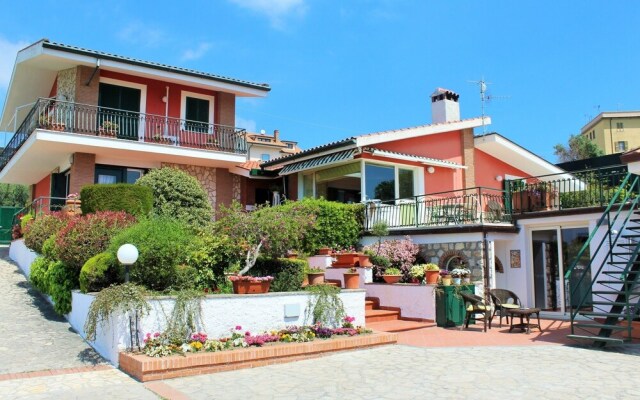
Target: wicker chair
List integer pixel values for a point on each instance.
(503, 300)
(474, 305)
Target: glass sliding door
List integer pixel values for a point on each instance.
(553, 251)
(380, 182)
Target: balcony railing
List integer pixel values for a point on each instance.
(55, 115)
(472, 206)
(588, 188)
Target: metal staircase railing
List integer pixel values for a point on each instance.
(614, 269)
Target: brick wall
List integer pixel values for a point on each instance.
(87, 94)
(226, 108)
(83, 171)
(224, 186)
(468, 154)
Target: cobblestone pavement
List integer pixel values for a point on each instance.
(404, 372)
(34, 338)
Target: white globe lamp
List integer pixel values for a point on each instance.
(127, 255)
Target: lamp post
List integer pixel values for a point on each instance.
(127, 255)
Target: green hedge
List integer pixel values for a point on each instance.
(287, 274)
(337, 225)
(99, 272)
(133, 199)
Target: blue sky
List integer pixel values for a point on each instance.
(341, 68)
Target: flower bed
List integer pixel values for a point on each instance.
(159, 345)
(145, 368)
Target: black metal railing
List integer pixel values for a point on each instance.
(42, 204)
(588, 188)
(62, 116)
(472, 206)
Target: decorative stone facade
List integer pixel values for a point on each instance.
(236, 188)
(470, 252)
(66, 89)
(205, 175)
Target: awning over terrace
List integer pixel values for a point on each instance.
(318, 161)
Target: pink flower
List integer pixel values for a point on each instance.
(238, 328)
(247, 333)
(157, 334)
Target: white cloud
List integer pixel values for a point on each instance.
(275, 10)
(141, 34)
(8, 50)
(248, 124)
(198, 52)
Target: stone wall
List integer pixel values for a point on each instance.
(471, 252)
(205, 175)
(66, 89)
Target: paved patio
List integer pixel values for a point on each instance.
(42, 358)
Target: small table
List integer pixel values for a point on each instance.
(524, 313)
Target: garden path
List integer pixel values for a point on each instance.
(41, 356)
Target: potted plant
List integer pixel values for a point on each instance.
(109, 128)
(345, 258)
(456, 275)
(315, 276)
(324, 251)
(72, 204)
(466, 276)
(431, 272)
(250, 284)
(445, 277)
(351, 279)
(392, 275)
(417, 273)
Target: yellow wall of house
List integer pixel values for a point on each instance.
(607, 134)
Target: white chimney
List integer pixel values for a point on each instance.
(444, 106)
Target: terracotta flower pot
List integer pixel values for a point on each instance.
(351, 280)
(316, 278)
(324, 251)
(346, 260)
(247, 287)
(432, 277)
(392, 278)
(363, 261)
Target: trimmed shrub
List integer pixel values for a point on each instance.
(178, 195)
(41, 228)
(287, 274)
(133, 199)
(337, 225)
(89, 235)
(38, 274)
(185, 278)
(162, 245)
(49, 248)
(99, 272)
(211, 255)
(61, 280)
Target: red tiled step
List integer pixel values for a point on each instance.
(399, 325)
(380, 315)
(369, 305)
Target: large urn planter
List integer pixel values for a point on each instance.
(351, 280)
(73, 206)
(315, 278)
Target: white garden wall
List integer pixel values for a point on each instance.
(22, 255)
(415, 301)
(255, 312)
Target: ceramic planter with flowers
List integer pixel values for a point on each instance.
(72, 204)
(458, 273)
(445, 278)
(351, 279)
(250, 284)
(392, 275)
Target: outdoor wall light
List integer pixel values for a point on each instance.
(127, 255)
(431, 170)
(499, 178)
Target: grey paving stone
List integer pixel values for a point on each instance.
(32, 336)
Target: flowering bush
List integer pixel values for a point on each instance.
(89, 235)
(417, 271)
(401, 253)
(445, 273)
(41, 228)
(347, 321)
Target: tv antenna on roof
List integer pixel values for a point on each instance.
(485, 97)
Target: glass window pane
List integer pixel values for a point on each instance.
(106, 179)
(133, 175)
(405, 178)
(380, 182)
(307, 185)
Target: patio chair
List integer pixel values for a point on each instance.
(503, 300)
(474, 305)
